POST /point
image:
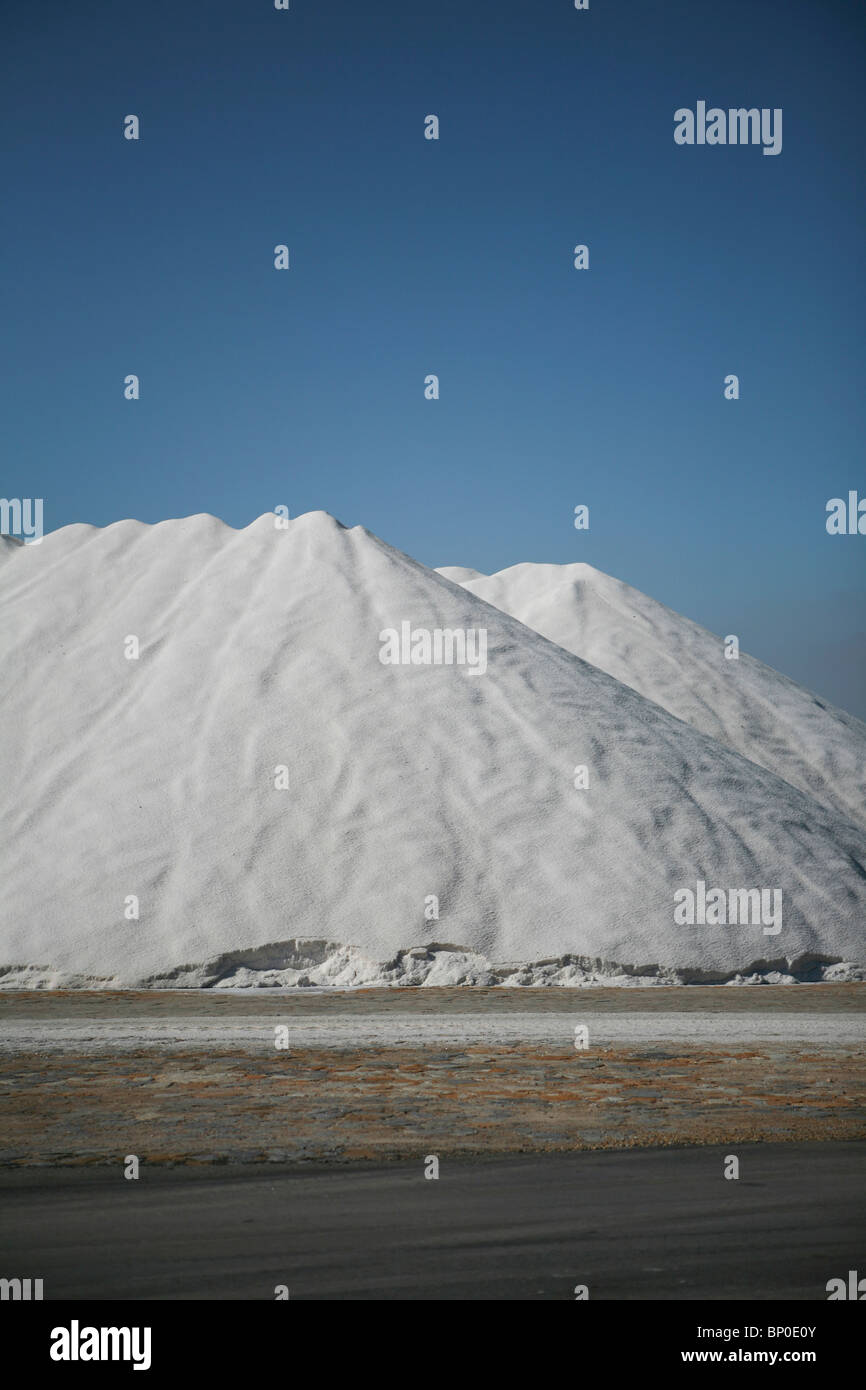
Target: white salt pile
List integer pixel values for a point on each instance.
(257, 798)
(679, 665)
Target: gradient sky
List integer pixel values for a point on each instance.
(453, 257)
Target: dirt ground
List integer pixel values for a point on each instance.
(238, 1104)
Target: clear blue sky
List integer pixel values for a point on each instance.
(454, 257)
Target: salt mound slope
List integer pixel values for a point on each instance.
(155, 777)
(681, 666)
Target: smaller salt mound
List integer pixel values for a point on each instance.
(681, 666)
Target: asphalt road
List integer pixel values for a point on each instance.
(642, 1224)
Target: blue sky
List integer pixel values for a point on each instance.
(453, 257)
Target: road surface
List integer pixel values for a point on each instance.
(641, 1224)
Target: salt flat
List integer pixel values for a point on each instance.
(349, 1031)
(189, 1076)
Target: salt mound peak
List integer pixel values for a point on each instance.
(196, 522)
(204, 753)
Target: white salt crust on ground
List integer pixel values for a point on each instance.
(260, 648)
(255, 1036)
(319, 965)
(743, 703)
